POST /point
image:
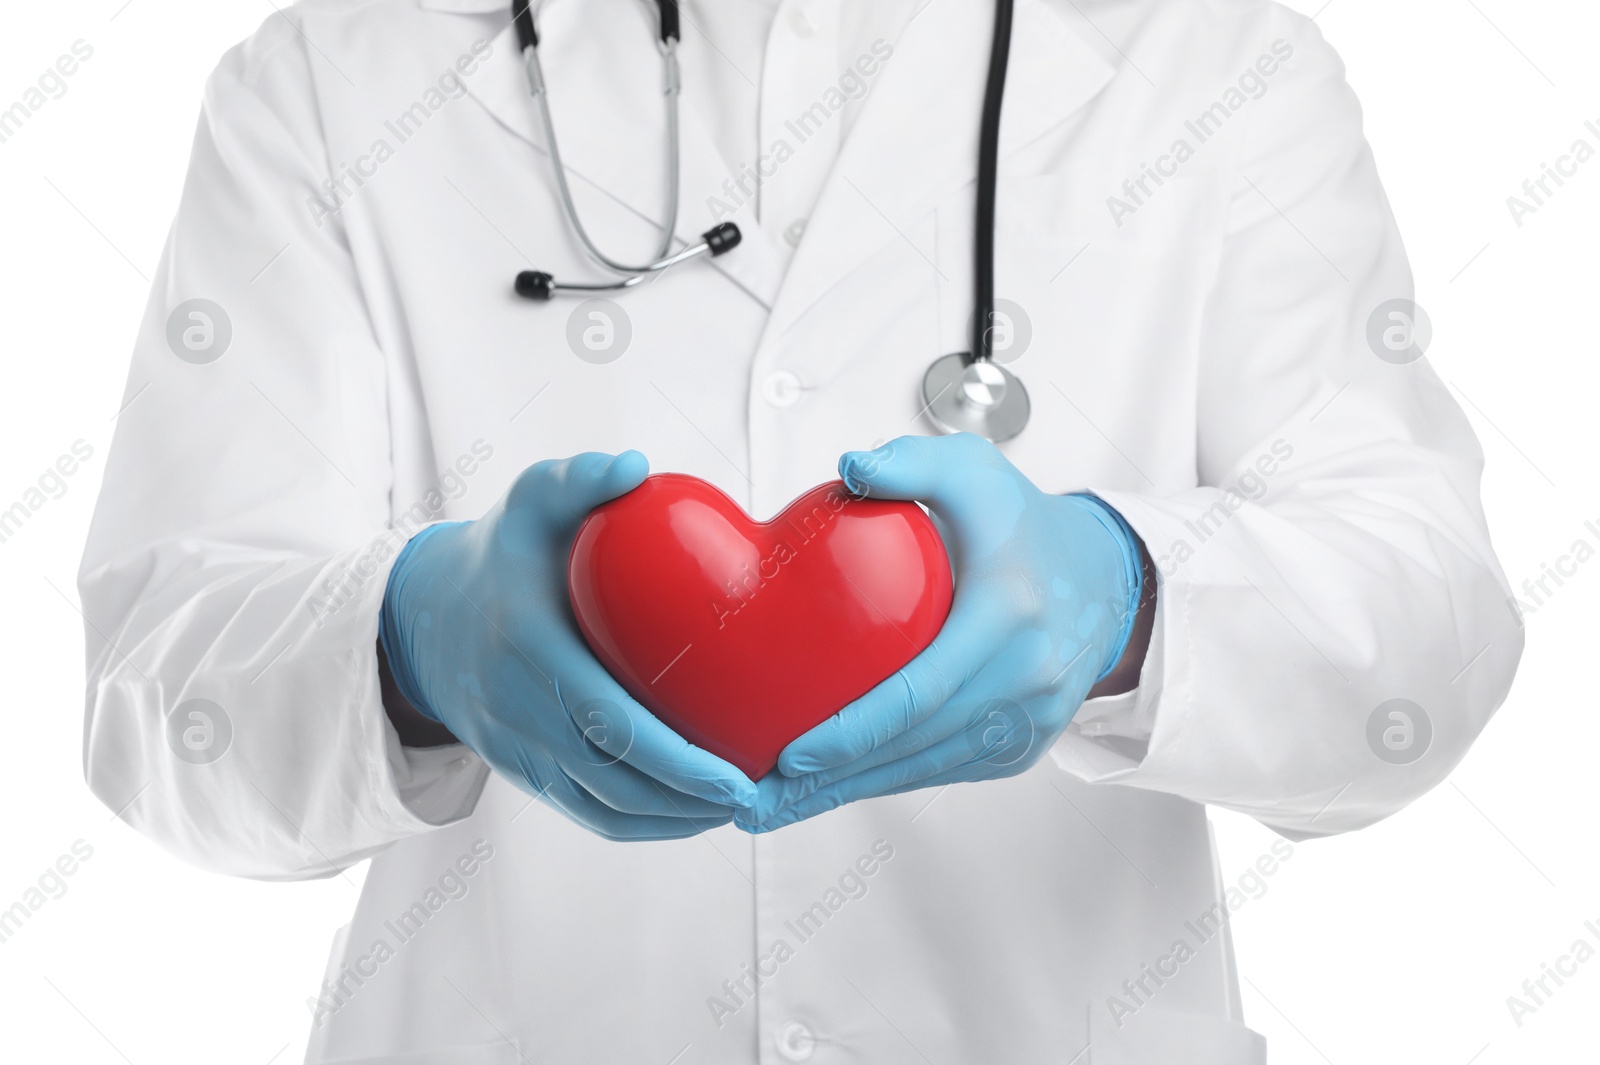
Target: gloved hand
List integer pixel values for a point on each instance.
(479, 635)
(1046, 591)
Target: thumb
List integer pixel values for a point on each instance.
(938, 470)
(574, 486)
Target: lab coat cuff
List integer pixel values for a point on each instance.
(435, 786)
(1110, 738)
(416, 789)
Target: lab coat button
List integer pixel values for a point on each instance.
(782, 388)
(795, 1041)
(796, 230)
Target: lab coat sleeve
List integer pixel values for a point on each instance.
(1336, 557)
(239, 551)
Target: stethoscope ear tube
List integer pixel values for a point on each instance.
(988, 168)
(528, 35)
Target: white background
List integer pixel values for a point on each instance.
(1398, 944)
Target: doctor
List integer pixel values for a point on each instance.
(1240, 533)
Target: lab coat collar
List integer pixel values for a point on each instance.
(915, 141)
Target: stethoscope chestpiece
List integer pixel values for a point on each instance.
(966, 395)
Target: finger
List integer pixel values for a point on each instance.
(972, 634)
(611, 720)
(984, 750)
(907, 467)
(974, 490)
(563, 491)
(602, 723)
(582, 808)
(776, 792)
(934, 469)
(628, 791)
(1005, 671)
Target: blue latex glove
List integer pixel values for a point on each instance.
(1046, 592)
(479, 635)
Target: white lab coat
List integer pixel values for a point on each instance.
(380, 368)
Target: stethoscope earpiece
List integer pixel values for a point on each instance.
(722, 238)
(540, 286)
(534, 285)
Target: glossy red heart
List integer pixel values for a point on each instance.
(742, 635)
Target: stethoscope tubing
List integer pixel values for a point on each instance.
(671, 89)
(988, 172)
(966, 391)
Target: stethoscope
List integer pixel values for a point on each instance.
(966, 391)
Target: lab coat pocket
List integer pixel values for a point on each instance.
(1158, 1037)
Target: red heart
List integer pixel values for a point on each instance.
(741, 635)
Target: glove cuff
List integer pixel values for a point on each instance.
(393, 635)
(1127, 542)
